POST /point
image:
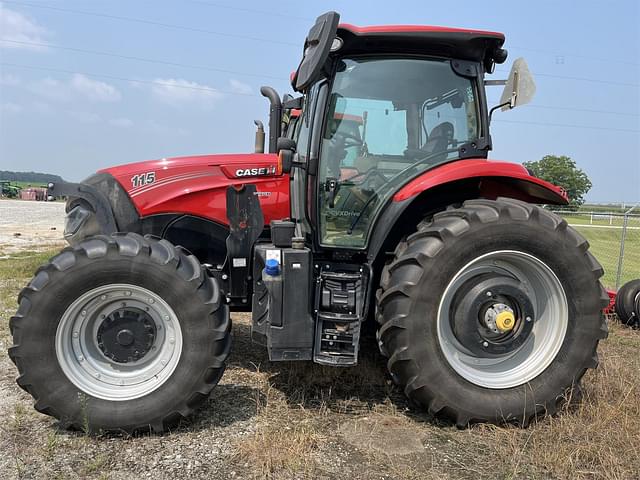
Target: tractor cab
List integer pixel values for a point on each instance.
(381, 106)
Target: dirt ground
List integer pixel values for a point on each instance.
(299, 420)
(25, 224)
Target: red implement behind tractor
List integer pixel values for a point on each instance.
(375, 204)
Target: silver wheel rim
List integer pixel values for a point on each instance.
(543, 343)
(88, 368)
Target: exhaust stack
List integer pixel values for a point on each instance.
(259, 148)
(275, 116)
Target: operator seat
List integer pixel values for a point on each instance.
(439, 140)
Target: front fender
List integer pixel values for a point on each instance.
(94, 216)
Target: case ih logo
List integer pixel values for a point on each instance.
(256, 172)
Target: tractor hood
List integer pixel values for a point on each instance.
(196, 185)
(204, 161)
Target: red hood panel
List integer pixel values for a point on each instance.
(197, 185)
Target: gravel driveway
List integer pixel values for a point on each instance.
(28, 225)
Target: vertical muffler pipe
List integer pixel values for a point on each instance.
(259, 137)
(275, 116)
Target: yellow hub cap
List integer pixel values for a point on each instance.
(505, 321)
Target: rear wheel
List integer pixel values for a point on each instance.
(120, 333)
(628, 303)
(491, 312)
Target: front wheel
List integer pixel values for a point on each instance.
(120, 333)
(491, 312)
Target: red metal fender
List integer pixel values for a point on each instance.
(497, 179)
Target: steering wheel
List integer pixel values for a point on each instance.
(344, 136)
(366, 176)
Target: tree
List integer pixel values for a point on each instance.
(562, 171)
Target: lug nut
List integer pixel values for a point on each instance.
(80, 358)
(83, 313)
(75, 334)
(489, 294)
(151, 300)
(485, 344)
(528, 319)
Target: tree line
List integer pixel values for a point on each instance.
(29, 177)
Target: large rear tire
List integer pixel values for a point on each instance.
(628, 303)
(120, 332)
(491, 312)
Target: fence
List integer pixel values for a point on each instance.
(614, 240)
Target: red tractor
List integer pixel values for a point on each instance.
(377, 201)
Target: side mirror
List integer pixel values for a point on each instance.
(520, 87)
(286, 151)
(316, 50)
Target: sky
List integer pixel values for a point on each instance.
(86, 84)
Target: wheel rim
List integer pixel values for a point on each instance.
(118, 342)
(546, 328)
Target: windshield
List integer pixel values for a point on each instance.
(389, 119)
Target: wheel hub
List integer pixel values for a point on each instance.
(505, 321)
(126, 335)
(489, 315)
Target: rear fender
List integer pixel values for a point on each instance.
(450, 184)
(498, 179)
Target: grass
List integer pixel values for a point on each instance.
(604, 233)
(301, 420)
(605, 246)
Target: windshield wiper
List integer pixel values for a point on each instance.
(401, 172)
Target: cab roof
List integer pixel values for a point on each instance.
(459, 43)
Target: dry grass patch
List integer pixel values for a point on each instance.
(597, 439)
(275, 450)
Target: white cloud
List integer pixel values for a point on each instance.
(10, 107)
(121, 122)
(79, 87)
(95, 90)
(179, 92)
(239, 87)
(88, 118)
(21, 31)
(160, 129)
(9, 80)
(42, 108)
(51, 89)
